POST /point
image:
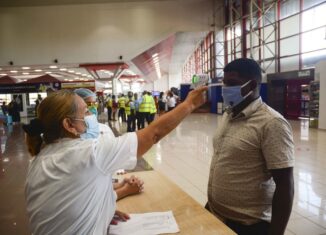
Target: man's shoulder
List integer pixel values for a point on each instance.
(268, 112)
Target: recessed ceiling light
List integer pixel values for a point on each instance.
(13, 71)
(3, 74)
(84, 75)
(25, 73)
(38, 70)
(48, 72)
(71, 71)
(155, 55)
(63, 69)
(66, 79)
(26, 67)
(70, 80)
(53, 67)
(25, 80)
(78, 73)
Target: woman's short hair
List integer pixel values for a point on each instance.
(48, 126)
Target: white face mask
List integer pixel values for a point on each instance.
(92, 127)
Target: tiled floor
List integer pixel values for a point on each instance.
(184, 157)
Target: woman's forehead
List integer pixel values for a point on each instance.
(80, 103)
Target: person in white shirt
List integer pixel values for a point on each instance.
(68, 186)
(129, 185)
(171, 101)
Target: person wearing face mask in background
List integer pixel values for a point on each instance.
(129, 185)
(250, 183)
(94, 127)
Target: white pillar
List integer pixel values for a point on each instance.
(320, 75)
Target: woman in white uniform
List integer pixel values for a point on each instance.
(68, 187)
(129, 185)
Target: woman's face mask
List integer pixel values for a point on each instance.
(93, 109)
(232, 95)
(92, 127)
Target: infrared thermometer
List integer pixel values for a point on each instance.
(199, 80)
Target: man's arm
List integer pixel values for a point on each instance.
(282, 200)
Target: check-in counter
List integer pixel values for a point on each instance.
(161, 194)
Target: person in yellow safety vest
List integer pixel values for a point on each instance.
(122, 106)
(153, 108)
(130, 111)
(109, 107)
(144, 109)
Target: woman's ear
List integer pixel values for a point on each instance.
(69, 127)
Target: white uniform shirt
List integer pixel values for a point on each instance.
(106, 130)
(68, 187)
(171, 102)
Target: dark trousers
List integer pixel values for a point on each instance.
(143, 117)
(109, 113)
(260, 228)
(151, 117)
(131, 123)
(122, 114)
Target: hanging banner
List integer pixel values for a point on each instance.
(74, 85)
(28, 88)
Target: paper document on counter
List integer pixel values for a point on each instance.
(146, 224)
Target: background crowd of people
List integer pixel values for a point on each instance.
(137, 109)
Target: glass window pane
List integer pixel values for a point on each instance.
(314, 40)
(310, 3)
(255, 52)
(5, 98)
(229, 58)
(314, 18)
(269, 16)
(238, 44)
(269, 50)
(289, 7)
(290, 63)
(312, 58)
(219, 61)
(219, 36)
(237, 30)
(255, 38)
(219, 73)
(254, 21)
(269, 66)
(229, 47)
(290, 46)
(289, 26)
(269, 33)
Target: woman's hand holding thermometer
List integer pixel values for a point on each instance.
(199, 80)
